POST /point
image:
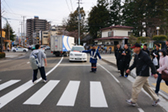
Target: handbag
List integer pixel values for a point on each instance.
(164, 76)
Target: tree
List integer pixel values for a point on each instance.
(115, 12)
(71, 24)
(98, 18)
(9, 32)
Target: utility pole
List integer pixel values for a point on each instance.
(23, 35)
(0, 28)
(79, 18)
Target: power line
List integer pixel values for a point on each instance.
(8, 5)
(68, 6)
(71, 5)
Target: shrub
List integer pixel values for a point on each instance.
(160, 37)
(143, 39)
(2, 54)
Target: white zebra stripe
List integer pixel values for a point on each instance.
(69, 96)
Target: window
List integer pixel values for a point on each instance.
(110, 34)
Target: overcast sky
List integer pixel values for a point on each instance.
(52, 10)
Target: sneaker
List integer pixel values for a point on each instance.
(131, 103)
(126, 76)
(155, 102)
(34, 82)
(44, 81)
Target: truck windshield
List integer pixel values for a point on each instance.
(78, 49)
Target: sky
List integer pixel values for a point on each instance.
(51, 10)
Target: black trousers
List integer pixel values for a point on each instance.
(42, 72)
(124, 65)
(93, 67)
(118, 63)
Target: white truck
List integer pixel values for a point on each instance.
(61, 45)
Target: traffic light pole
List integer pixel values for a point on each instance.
(79, 22)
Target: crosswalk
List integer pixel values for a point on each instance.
(68, 97)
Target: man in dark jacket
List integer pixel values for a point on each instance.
(118, 52)
(146, 49)
(142, 62)
(125, 60)
(166, 47)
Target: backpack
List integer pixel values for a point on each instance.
(34, 62)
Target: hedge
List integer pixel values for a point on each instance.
(160, 37)
(2, 54)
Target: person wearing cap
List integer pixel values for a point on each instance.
(93, 57)
(125, 60)
(146, 49)
(142, 62)
(166, 47)
(118, 55)
(155, 53)
(163, 66)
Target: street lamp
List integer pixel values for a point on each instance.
(157, 28)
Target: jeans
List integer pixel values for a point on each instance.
(159, 79)
(42, 72)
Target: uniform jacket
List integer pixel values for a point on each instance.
(142, 62)
(147, 51)
(93, 59)
(127, 57)
(163, 62)
(118, 53)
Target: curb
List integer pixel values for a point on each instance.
(133, 75)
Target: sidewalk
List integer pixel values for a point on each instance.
(110, 58)
(14, 54)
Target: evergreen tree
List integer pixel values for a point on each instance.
(98, 17)
(115, 12)
(9, 32)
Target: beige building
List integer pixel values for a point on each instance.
(45, 37)
(113, 35)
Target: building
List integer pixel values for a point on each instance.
(34, 26)
(113, 35)
(45, 37)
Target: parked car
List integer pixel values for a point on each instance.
(47, 48)
(77, 55)
(16, 49)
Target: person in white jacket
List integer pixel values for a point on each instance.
(163, 66)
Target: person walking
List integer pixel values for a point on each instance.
(110, 49)
(155, 54)
(93, 58)
(142, 62)
(41, 57)
(146, 49)
(118, 55)
(166, 47)
(163, 63)
(125, 60)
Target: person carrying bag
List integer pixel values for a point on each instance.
(162, 70)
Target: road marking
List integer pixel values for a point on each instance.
(7, 84)
(97, 98)
(140, 110)
(69, 96)
(41, 94)
(18, 91)
(28, 62)
(110, 74)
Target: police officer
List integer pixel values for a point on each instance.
(155, 53)
(146, 49)
(166, 47)
(93, 58)
(125, 61)
(118, 52)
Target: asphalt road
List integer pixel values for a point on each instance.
(70, 88)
